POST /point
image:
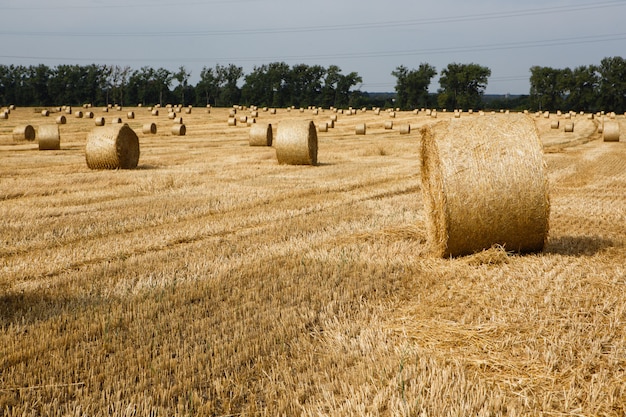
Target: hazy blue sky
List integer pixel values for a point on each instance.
(371, 38)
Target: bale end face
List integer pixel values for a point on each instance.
(296, 142)
(112, 147)
(24, 133)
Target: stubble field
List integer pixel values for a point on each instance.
(214, 281)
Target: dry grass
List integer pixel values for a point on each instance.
(214, 281)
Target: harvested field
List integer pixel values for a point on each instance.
(213, 281)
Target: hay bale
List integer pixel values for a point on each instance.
(4, 115)
(154, 112)
(178, 120)
(569, 127)
(261, 135)
(130, 115)
(89, 114)
(116, 120)
(322, 127)
(405, 129)
(484, 184)
(45, 113)
(112, 147)
(61, 120)
(232, 121)
(360, 129)
(149, 128)
(178, 129)
(331, 124)
(78, 114)
(611, 132)
(296, 142)
(26, 132)
(243, 119)
(100, 121)
(554, 124)
(389, 125)
(49, 138)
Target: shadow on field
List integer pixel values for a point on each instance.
(577, 245)
(30, 306)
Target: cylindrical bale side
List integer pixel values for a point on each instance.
(484, 184)
(4, 115)
(405, 129)
(389, 125)
(26, 132)
(149, 128)
(112, 147)
(45, 113)
(154, 112)
(261, 135)
(322, 127)
(611, 131)
(49, 138)
(78, 114)
(178, 120)
(178, 129)
(569, 127)
(89, 115)
(116, 120)
(232, 121)
(61, 120)
(130, 115)
(554, 124)
(100, 121)
(171, 115)
(296, 142)
(360, 129)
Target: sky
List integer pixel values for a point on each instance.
(371, 38)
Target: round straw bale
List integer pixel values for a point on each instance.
(179, 129)
(178, 120)
(405, 129)
(360, 129)
(333, 117)
(49, 138)
(254, 113)
(188, 110)
(569, 127)
(154, 112)
(100, 121)
(26, 132)
(392, 114)
(484, 184)
(611, 132)
(232, 121)
(251, 121)
(130, 114)
(171, 115)
(112, 147)
(61, 120)
(4, 115)
(105, 109)
(389, 125)
(331, 124)
(232, 113)
(89, 114)
(322, 127)
(116, 120)
(554, 124)
(78, 114)
(243, 119)
(45, 113)
(149, 128)
(261, 135)
(68, 110)
(296, 142)
(272, 111)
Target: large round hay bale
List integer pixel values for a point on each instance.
(296, 142)
(554, 124)
(569, 127)
(100, 121)
(26, 132)
(78, 114)
(61, 120)
(405, 129)
(484, 184)
(261, 134)
(89, 115)
(232, 121)
(149, 128)
(178, 129)
(322, 127)
(112, 147)
(360, 129)
(49, 138)
(611, 131)
(388, 124)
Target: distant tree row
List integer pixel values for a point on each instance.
(276, 84)
(585, 88)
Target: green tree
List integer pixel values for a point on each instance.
(412, 85)
(182, 76)
(612, 88)
(549, 87)
(227, 78)
(462, 85)
(583, 89)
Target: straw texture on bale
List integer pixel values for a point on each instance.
(296, 142)
(24, 133)
(483, 184)
(179, 129)
(112, 147)
(261, 135)
(149, 128)
(49, 138)
(610, 132)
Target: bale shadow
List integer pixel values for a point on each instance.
(577, 245)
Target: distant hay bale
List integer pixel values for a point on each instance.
(611, 132)
(331, 124)
(569, 127)
(178, 120)
(232, 113)
(112, 147)
(251, 121)
(188, 110)
(601, 127)
(130, 115)
(272, 111)
(232, 121)
(171, 115)
(100, 121)
(116, 120)
(49, 138)
(68, 110)
(296, 142)
(4, 115)
(89, 114)
(105, 109)
(45, 113)
(154, 112)
(322, 127)
(78, 114)
(484, 184)
(388, 124)
(61, 120)
(405, 129)
(360, 129)
(392, 114)
(178, 130)
(243, 119)
(254, 113)
(26, 132)
(554, 124)
(261, 134)
(149, 128)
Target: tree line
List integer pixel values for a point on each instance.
(462, 86)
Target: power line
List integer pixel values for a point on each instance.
(326, 28)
